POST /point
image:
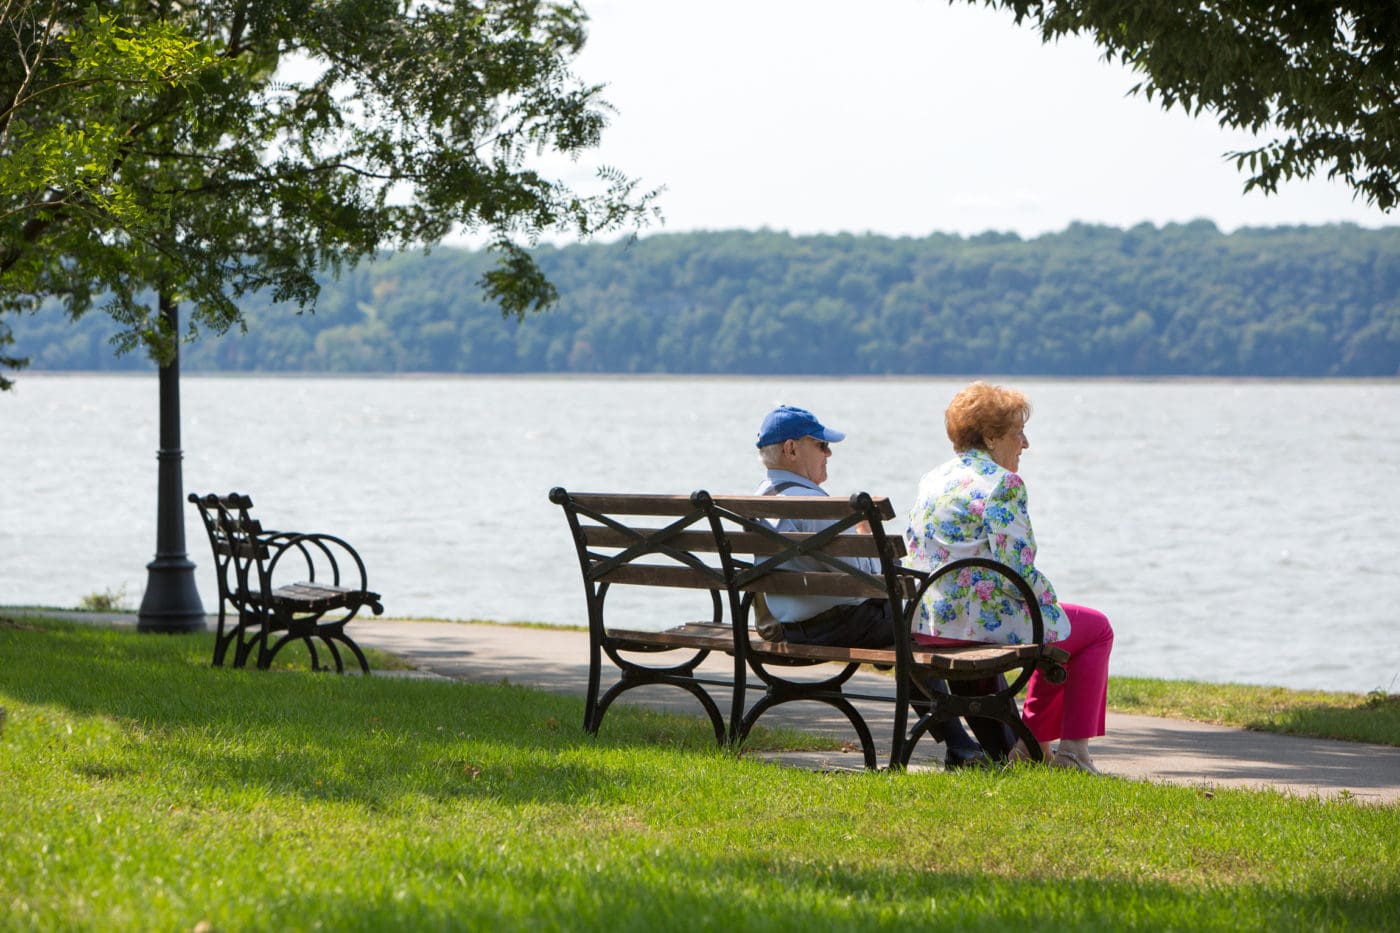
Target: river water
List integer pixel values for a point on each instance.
(1242, 531)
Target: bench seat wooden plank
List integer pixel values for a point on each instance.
(979, 659)
(707, 635)
(963, 659)
(317, 597)
(986, 657)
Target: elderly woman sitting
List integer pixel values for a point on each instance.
(974, 505)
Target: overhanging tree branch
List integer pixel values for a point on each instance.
(199, 171)
(1323, 79)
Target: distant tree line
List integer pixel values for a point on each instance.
(1184, 299)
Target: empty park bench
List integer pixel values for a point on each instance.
(257, 610)
(724, 545)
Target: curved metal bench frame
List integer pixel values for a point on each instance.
(600, 571)
(706, 523)
(257, 613)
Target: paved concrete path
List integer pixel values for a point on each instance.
(1137, 747)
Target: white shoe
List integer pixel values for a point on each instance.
(1072, 762)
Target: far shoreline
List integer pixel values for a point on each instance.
(324, 376)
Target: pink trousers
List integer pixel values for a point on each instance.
(1074, 709)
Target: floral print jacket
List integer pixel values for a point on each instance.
(971, 507)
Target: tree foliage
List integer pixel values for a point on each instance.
(212, 149)
(1096, 301)
(1322, 78)
(57, 163)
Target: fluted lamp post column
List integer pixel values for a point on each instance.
(171, 603)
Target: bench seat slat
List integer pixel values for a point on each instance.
(716, 637)
(316, 595)
(971, 659)
(313, 597)
(961, 659)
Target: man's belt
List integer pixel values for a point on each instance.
(806, 628)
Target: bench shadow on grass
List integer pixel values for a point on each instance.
(367, 740)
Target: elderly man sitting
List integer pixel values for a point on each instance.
(795, 447)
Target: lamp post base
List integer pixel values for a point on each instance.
(171, 603)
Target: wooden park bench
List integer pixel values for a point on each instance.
(257, 611)
(725, 545)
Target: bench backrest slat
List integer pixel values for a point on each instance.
(240, 547)
(819, 583)
(787, 583)
(741, 542)
(633, 503)
(233, 528)
(815, 507)
(233, 502)
(664, 575)
(232, 532)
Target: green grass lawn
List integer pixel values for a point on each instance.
(1373, 717)
(141, 789)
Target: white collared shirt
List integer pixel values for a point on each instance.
(798, 608)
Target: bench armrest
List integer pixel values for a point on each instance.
(320, 558)
(1023, 589)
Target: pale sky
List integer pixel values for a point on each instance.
(904, 117)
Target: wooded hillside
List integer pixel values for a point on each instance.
(1179, 300)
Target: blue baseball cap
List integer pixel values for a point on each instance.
(786, 423)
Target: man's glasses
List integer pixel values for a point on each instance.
(824, 447)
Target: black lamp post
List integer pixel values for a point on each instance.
(171, 603)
